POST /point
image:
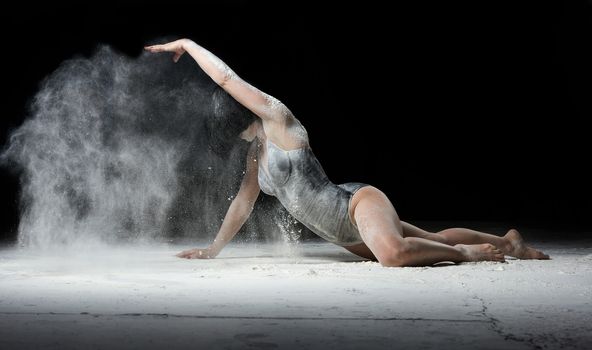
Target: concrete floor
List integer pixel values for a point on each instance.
(313, 296)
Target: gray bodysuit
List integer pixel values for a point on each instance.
(299, 182)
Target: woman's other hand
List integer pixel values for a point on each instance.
(207, 253)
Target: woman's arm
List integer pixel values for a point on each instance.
(238, 212)
(263, 105)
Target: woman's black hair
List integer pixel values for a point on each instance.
(228, 120)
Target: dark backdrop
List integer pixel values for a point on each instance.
(464, 111)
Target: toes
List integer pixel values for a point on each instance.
(543, 256)
(532, 253)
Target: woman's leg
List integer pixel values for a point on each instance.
(381, 230)
(511, 244)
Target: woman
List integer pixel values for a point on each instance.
(356, 216)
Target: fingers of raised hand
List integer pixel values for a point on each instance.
(156, 48)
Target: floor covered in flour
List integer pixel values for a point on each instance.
(311, 295)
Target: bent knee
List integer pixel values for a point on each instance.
(395, 257)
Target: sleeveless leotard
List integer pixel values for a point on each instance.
(298, 181)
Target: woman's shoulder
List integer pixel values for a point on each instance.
(289, 134)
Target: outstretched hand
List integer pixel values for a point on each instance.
(197, 253)
(177, 47)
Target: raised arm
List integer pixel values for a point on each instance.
(237, 213)
(263, 105)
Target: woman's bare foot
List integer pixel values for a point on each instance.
(481, 252)
(518, 249)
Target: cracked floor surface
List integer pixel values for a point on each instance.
(313, 295)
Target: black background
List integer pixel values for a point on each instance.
(458, 111)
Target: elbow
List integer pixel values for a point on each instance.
(243, 208)
(226, 76)
(244, 216)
